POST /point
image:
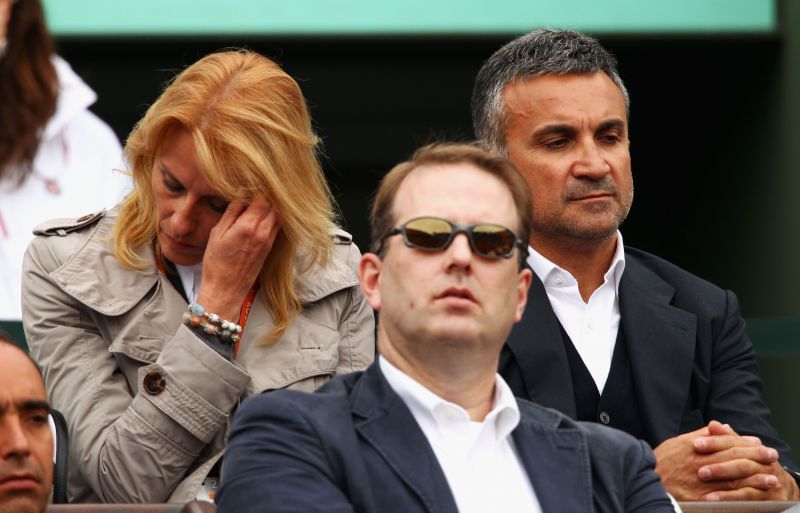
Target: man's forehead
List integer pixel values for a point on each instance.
(423, 185)
(582, 90)
(19, 377)
(436, 190)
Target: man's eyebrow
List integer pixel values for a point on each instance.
(554, 129)
(26, 405)
(34, 405)
(611, 124)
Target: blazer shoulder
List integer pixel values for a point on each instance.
(329, 396)
(535, 414)
(639, 264)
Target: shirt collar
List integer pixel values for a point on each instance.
(426, 406)
(190, 279)
(545, 269)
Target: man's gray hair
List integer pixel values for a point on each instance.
(541, 52)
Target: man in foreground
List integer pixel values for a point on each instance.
(431, 426)
(612, 334)
(26, 442)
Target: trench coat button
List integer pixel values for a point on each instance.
(154, 383)
(605, 418)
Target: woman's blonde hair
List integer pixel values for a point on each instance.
(253, 138)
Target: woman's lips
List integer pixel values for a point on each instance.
(180, 245)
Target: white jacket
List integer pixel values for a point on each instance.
(78, 153)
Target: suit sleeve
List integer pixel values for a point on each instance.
(129, 445)
(644, 491)
(275, 461)
(736, 388)
(623, 473)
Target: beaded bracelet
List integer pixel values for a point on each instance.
(197, 309)
(226, 331)
(196, 322)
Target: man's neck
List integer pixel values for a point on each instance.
(587, 261)
(463, 379)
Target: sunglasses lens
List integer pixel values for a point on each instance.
(428, 233)
(493, 241)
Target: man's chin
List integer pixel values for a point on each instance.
(457, 333)
(23, 503)
(582, 230)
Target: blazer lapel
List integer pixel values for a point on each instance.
(557, 462)
(661, 343)
(537, 346)
(383, 419)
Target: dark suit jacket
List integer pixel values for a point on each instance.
(690, 357)
(354, 446)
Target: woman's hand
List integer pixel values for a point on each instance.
(237, 247)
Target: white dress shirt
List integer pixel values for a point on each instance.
(479, 459)
(591, 326)
(190, 279)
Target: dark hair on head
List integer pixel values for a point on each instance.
(382, 217)
(541, 52)
(28, 87)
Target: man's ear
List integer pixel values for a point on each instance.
(369, 275)
(524, 278)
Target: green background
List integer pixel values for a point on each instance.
(118, 17)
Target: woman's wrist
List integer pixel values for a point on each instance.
(224, 307)
(221, 334)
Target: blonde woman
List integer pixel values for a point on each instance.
(222, 275)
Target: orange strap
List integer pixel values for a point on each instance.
(245, 313)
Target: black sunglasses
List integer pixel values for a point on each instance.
(434, 234)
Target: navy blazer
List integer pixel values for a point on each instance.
(354, 446)
(690, 357)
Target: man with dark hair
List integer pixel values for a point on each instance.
(431, 426)
(26, 442)
(613, 334)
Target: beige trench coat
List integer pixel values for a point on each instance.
(98, 330)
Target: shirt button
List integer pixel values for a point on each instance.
(605, 418)
(559, 279)
(590, 323)
(154, 383)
